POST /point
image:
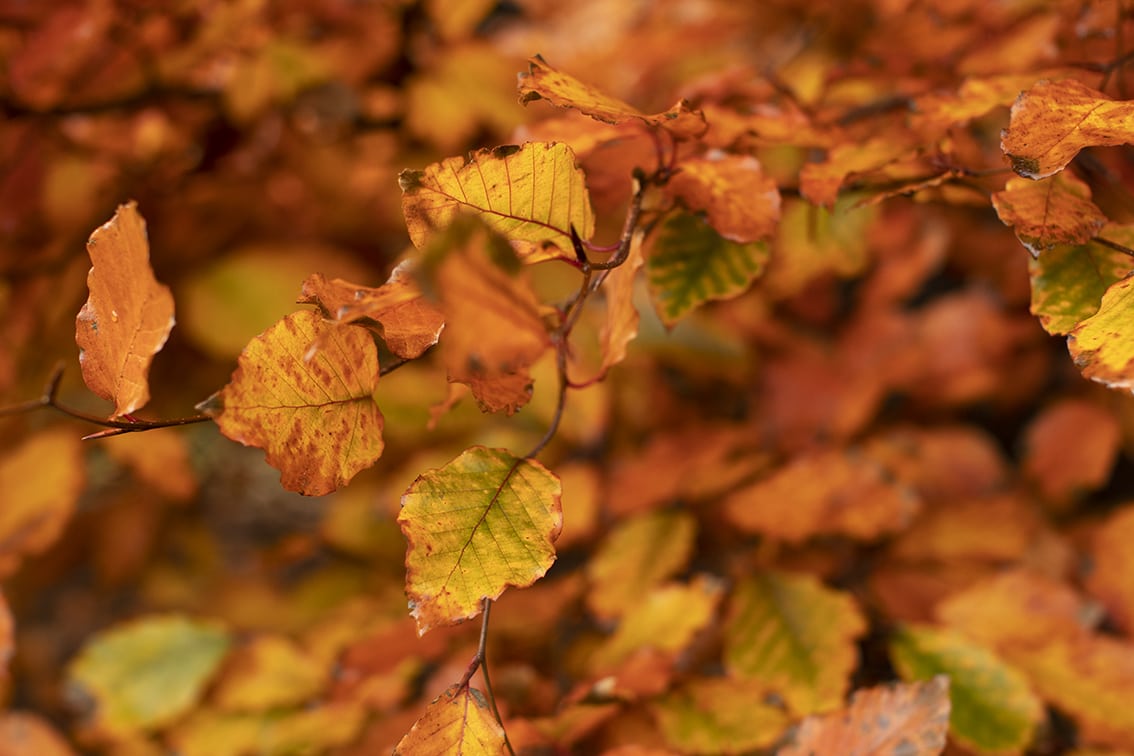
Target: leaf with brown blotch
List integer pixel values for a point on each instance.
(494, 331)
(407, 322)
(903, 719)
(1053, 120)
(741, 202)
(543, 82)
(128, 315)
(532, 194)
(458, 721)
(1051, 211)
(313, 414)
(1101, 345)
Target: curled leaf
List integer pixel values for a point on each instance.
(740, 201)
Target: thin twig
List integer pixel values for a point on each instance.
(480, 661)
(1114, 245)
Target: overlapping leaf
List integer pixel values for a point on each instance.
(796, 636)
(1053, 120)
(820, 182)
(483, 522)
(314, 415)
(147, 673)
(993, 707)
(1068, 282)
(458, 721)
(1101, 345)
(895, 720)
(542, 81)
(690, 264)
(1049, 212)
(531, 194)
(739, 200)
(128, 315)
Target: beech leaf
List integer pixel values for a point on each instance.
(993, 707)
(1048, 212)
(149, 672)
(458, 721)
(1068, 282)
(740, 201)
(127, 316)
(1111, 579)
(543, 82)
(1053, 120)
(621, 324)
(531, 194)
(796, 636)
(313, 414)
(893, 720)
(690, 264)
(483, 522)
(820, 182)
(718, 715)
(1101, 345)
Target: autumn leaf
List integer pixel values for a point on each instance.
(796, 636)
(147, 673)
(993, 707)
(22, 732)
(313, 414)
(820, 182)
(1049, 212)
(494, 329)
(532, 194)
(269, 672)
(458, 721)
(1068, 282)
(315, 729)
(1101, 345)
(128, 315)
(621, 324)
(1053, 120)
(894, 720)
(689, 264)
(543, 82)
(483, 522)
(6, 637)
(1070, 449)
(1111, 579)
(813, 241)
(41, 480)
(718, 715)
(740, 202)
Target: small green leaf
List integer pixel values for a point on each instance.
(483, 522)
(691, 263)
(993, 707)
(146, 674)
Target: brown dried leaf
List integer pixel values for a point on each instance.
(1051, 211)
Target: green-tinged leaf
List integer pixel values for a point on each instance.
(459, 721)
(303, 391)
(147, 673)
(318, 729)
(532, 194)
(1103, 344)
(814, 241)
(1068, 282)
(1053, 120)
(893, 720)
(690, 264)
(1046, 213)
(483, 522)
(639, 553)
(993, 707)
(543, 82)
(718, 715)
(269, 672)
(796, 636)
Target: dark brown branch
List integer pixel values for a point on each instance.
(479, 661)
(1114, 245)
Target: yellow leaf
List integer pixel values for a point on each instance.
(796, 636)
(719, 715)
(313, 414)
(542, 82)
(483, 522)
(893, 720)
(40, 481)
(269, 672)
(531, 194)
(128, 315)
(1102, 345)
(494, 331)
(1053, 120)
(323, 728)
(458, 721)
(147, 673)
(1051, 211)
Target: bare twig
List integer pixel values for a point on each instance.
(479, 661)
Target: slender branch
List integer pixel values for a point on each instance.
(628, 227)
(560, 401)
(1114, 245)
(480, 661)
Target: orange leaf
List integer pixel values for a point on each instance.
(542, 82)
(128, 315)
(1053, 120)
(621, 324)
(1070, 448)
(26, 733)
(7, 637)
(458, 721)
(1052, 211)
(494, 331)
(905, 719)
(160, 459)
(741, 202)
(1111, 578)
(820, 182)
(313, 414)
